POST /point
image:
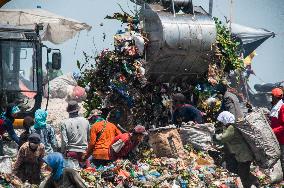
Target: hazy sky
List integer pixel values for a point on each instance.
(268, 14)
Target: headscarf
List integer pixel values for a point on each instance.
(40, 119)
(34, 138)
(226, 117)
(56, 162)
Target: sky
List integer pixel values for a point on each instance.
(269, 14)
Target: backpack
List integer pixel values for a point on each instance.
(260, 138)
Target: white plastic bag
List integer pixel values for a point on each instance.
(5, 164)
(198, 135)
(275, 173)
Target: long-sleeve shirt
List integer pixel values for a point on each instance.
(28, 163)
(99, 147)
(277, 124)
(47, 137)
(8, 126)
(186, 113)
(231, 103)
(74, 134)
(26, 155)
(236, 144)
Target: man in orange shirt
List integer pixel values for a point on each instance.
(101, 135)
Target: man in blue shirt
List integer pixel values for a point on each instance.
(185, 112)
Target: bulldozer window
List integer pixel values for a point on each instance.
(18, 81)
(18, 66)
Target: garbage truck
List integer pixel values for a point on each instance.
(181, 37)
(21, 67)
(180, 40)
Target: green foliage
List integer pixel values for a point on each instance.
(227, 49)
(93, 101)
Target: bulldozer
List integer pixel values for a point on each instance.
(21, 67)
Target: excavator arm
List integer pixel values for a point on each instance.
(3, 2)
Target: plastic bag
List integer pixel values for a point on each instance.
(275, 173)
(58, 86)
(71, 163)
(5, 165)
(198, 135)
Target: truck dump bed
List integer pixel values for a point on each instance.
(179, 45)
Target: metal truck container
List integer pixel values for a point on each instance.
(179, 44)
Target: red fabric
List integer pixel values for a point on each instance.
(2, 128)
(78, 157)
(78, 91)
(128, 146)
(277, 124)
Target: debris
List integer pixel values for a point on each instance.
(198, 135)
(150, 171)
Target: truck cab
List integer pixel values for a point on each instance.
(21, 69)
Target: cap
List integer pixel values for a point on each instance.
(277, 92)
(139, 129)
(73, 107)
(34, 138)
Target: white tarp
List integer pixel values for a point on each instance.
(57, 29)
(250, 38)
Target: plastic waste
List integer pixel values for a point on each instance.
(174, 185)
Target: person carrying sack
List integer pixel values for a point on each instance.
(101, 135)
(237, 146)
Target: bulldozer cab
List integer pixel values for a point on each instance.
(21, 72)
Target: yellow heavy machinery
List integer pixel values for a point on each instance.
(3, 2)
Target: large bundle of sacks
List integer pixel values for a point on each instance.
(259, 136)
(65, 87)
(198, 135)
(166, 142)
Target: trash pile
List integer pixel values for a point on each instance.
(118, 78)
(195, 169)
(9, 181)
